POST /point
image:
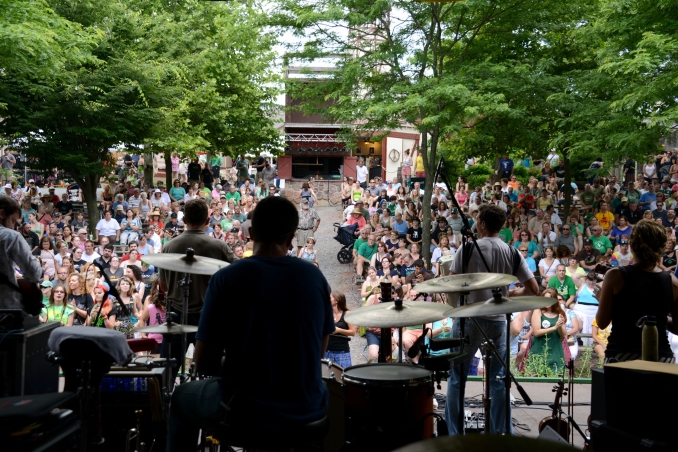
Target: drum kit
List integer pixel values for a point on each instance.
(389, 405)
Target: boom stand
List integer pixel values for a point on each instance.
(467, 234)
(185, 284)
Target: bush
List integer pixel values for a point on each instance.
(478, 170)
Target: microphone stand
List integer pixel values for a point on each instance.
(467, 234)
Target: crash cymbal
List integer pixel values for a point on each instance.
(486, 443)
(174, 328)
(465, 282)
(506, 306)
(386, 315)
(184, 263)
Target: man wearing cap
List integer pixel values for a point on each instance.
(108, 227)
(31, 184)
(622, 209)
(174, 225)
(53, 198)
(589, 256)
(119, 213)
(624, 256)
(601, 242)
(309, 221)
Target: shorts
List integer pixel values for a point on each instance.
(303, 235)
(372, 339)
(420, 174)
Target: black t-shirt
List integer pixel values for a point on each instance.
(194, 171)
(79, 264)
(207, 177)
(630, 165)
(64, 207)
(621, 210)
(339, 342)
(435, 235)
(415, 234)
(32, 239)
(560, 172)
(260, 161)
(635, 216)
(81, 302)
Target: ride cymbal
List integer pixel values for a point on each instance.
(505, 306)
(174, 328)
(185, 263)
(387, 315)
(467, 282)
(486, 443)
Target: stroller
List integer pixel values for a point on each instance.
(345, 236)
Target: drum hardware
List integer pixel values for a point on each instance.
(134, 434)
(486, 443)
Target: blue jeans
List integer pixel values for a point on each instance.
(458, 374)
(195, 405)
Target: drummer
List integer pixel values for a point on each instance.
(500, 258)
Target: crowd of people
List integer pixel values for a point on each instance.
(568, 255)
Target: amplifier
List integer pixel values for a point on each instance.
(24, 369)
(124, 391)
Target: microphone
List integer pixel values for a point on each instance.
(418, 344)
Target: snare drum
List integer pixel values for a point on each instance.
(387, 405)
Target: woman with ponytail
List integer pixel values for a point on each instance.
(638, 290)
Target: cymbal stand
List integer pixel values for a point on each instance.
(487, 347)
(185, 284)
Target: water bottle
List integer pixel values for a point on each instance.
(650, 338)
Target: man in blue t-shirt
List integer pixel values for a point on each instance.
(647, 198)
(505, 167)
(236, 326)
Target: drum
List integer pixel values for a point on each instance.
(387, 405)
(335, 440)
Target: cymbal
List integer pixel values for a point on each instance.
(486, 443)
(385, 315)
(194, 265)
(174, 328)
(465, 282)
(506, 306)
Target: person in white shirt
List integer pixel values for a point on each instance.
(108, 227)
(361, 174)
(90, 255)
(546, 237)
(553, 158)
(555, 218)
(134, 200)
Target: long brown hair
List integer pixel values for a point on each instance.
(555, 307)
(341, 300)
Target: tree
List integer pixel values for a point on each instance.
(73, 120)
(439, 67)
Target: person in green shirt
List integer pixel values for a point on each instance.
(46, 288)
(243, 167)
(506, 234)
(177, 192)
(356, 245)
(588, 198)
(227, 223)
(601, 242)
(232, 194)
(563, 284)
(215, 165)
(365, 253)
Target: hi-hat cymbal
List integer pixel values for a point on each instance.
(486, 443)
(386, 315)
(194, 265)
(505, 306)
(174, 328)
(465, 282)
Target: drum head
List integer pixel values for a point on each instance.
(386, 373)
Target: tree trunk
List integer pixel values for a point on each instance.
(428, 153)
(169, 183)
(89, 187)
(148, 168)
(568, 179)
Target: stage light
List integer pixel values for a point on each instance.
(328, 150)
(334, 149)
(287, 149)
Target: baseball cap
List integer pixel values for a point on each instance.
(588, 242)
(174, 215)
(31, 181)
(120, 207)
(46, 284)
(625, 199)
(624, 242)
(156, 191)
(304, 201)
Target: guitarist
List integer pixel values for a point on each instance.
(15, 252)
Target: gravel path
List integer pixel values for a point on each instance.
(339, 276)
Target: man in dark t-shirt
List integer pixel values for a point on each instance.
(414, 234)
(207, 177)
(64, 206)
(235, 337)
(194, 170)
